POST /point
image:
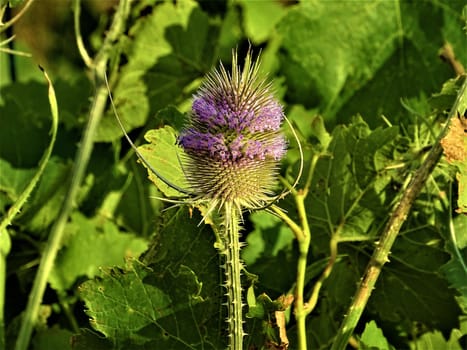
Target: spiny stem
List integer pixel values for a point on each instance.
(233, 267)
(389, 235)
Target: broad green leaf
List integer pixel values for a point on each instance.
(90, 238)
(165, 157)
(260, 18)
(455, 269)
(373, 338)
(167, 303)
(362, 57)
(267, 239)
(122, 305)
(406, 294)
(435, 340)
(25, 120)
(326, 33)
(51, 339)
(26, 191)
(349, 188)
(13, 181)
(42, 208)
(170, 47)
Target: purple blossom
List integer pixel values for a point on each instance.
(233, 140)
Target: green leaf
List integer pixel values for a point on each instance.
(170, 48)
(172, 302)
(363, 57)
(42, 209)
(19, 202)
(90, 238)
(436, 340)
(13, 180)
(89, 340)
(139, 304)
(267, 239)
(373, 338)
(411, 289)
(137, 209)
(27, 114)
(260, 18)
(164, 156)
(52, 338)
(455, 269)
(349, 191)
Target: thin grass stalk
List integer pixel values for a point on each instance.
(81, 161)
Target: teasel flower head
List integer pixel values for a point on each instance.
(232, 141)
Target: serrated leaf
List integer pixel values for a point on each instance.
(349, 187)
(163, 304)
(327, 66)
(165, 157)
(13, 180)
(436, 340)
(121, 305)
(373, 338)
(406, 295)
(90, 238)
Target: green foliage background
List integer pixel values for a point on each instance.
(361, 81)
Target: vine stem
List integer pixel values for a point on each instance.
(391, 230)
(233, 267)
(303, 235)
(81, 161)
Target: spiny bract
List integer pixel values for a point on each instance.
(233, 142)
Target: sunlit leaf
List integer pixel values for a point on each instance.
(91, 237)
(164, 156)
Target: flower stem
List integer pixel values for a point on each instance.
(303, 247)
(233, 267)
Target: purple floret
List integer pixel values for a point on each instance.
(259, 150)
(205, 111)
(219, 113)
(268, 118)
(198, 143)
